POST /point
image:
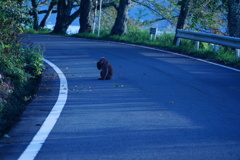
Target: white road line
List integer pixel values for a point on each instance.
(38, 140)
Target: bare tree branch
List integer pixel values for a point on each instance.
(155, 11)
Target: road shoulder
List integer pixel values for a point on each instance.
(33, 117)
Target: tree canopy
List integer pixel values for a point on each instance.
(202, 15)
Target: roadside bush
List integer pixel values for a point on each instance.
(20, 67)
(30, 30)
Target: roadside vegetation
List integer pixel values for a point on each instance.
(21, 64)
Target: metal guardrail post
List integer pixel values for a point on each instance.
(178, 41)
(197, 45)
(237, 53)
(216, 47)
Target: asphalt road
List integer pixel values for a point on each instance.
(158, 106)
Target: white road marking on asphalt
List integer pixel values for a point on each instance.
(38, 140)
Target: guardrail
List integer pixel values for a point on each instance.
(209, 38)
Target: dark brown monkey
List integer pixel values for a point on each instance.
(106, 67)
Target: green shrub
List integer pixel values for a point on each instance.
(20, 67)
(40, 31)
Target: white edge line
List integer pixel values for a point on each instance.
(38, 140)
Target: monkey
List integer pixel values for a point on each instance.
(106, 69)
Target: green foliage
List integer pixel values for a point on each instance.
(207, 15)
(117, 1)
(161, 9)
(109, 15)
(203, 14)
(20, 66)
(39, 31)
(33, 61)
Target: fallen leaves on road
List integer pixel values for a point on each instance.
(6, 136)
(116, 85)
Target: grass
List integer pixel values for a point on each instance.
(40, 31)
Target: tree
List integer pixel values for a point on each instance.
(234, 18)
(207, 15)
(64, 16)
(120, 25)
(85, 9)
(203, 15)
(162, 9)
(48, 13)
(182, 16)
(109, 13)
(35, 14)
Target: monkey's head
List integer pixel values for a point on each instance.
(101, 63)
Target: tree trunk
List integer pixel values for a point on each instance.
(35, 14)
(120, 25)
(234, 18)
(85, 9)
(61, 26)
(182, 17)
(64, 17)
(47, 15)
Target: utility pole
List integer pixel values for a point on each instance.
(94, 18)
(99, 19)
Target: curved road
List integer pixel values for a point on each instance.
(158, 106)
